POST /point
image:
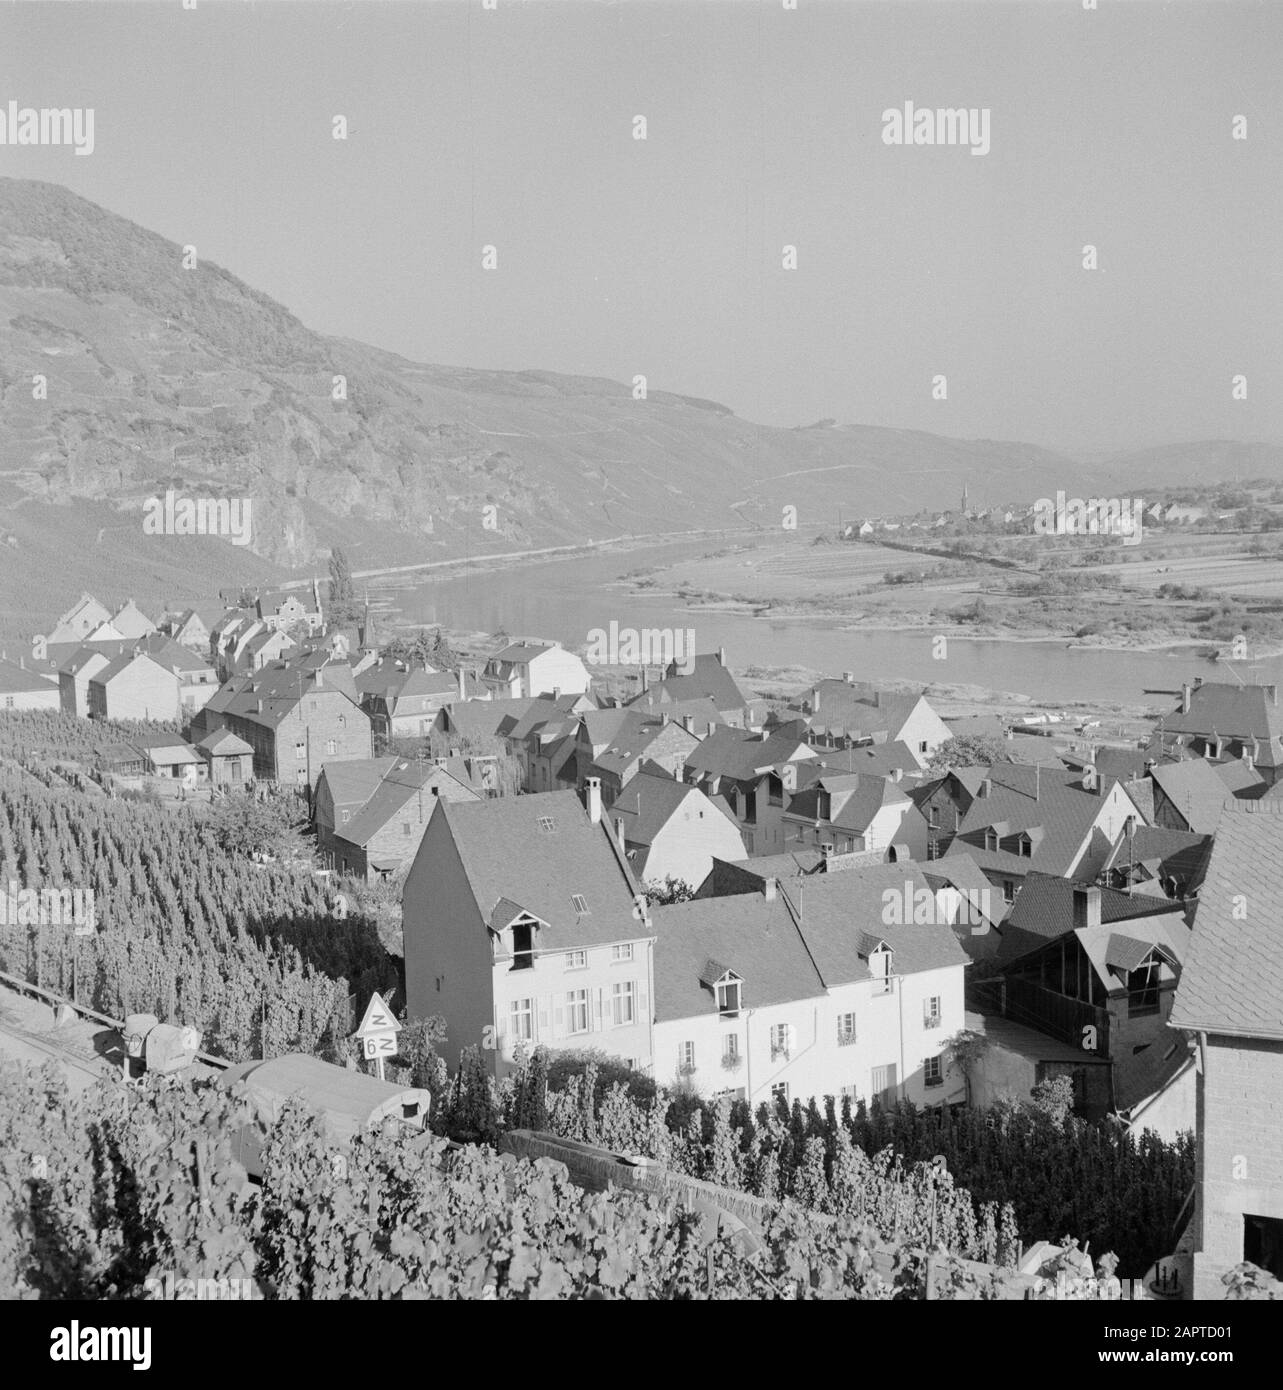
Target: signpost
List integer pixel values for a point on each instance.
(378, 1032)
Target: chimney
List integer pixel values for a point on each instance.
(688, 723)
(826, 853)
(1273, 694)
(645, 679)
(985, 787)
(897, 773)
(593, 788)
(556, 692)
(619, 835)
(1086, 907)
(1090, 780)
(815, 700)
(721, 656)
(462, 679)
(1185, 698)
(320, 677)
(768, 889)
(663, 719)
(1250, 755)
(677, 772)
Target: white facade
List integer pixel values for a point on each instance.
(898, 1032)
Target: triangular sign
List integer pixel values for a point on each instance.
(378, 1018)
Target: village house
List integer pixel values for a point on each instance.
(197, 681)
(83, 617)
(373, 838)
(1014, 819)
(612, 745)
(709, 683)
(671, 830)
(1095, 969)
(134, 685)
(229, 760)
(842, 712)
(1223, 722)
(173, 758)
(127, 622)
(527, 669)
(403, 700)
(855, 812)
(187, 628)
(1230, 1004)
(524, 925)
(472, 723)
(24, 689)
(754, 773)
(296, 719)
(289, 610)
(804, 991)
(1188, 795)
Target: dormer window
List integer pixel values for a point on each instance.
(991, 838)
(880, 969)
(1025, 847)
(523, 945)
(728, 996)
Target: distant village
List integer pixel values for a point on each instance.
(818, 895)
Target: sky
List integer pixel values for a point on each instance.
(513, 127)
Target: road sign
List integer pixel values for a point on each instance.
(378, 1018)
(379, 1045)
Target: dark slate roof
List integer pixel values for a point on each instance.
(280, 687)
(744, 756)
(222, 743)
(835, 908)
(400, 784)
(506, 855)
(1195, 790)
(353, 780)
(1044, 910)
(122, 663)
(698, 941)
(1232, 711)
(649, 802)
(1243, 781)
(709, 680)
(1141, 792)
(1232, 982)
(15, 680)
(1179, 853)
(854, 800)
(877, 760)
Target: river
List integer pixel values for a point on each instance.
(567, 598)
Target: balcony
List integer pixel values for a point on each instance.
(1057, 1015)
(846, 1037)
(931, 1020)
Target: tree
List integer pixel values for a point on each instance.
(672, 890)
(968, 750)
(343, 604)
(966, 1051)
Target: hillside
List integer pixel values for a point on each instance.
(164, 377)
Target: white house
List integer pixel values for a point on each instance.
(669, 829)
(805, 990)
(523, 670)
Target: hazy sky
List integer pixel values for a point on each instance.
(514, 127)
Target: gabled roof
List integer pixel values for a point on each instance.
(854, 800)
(835, 909)
(709, 680)
(1179, 854)
(698, 942)
(353, 780)
(1243, 781)
(1232, 982)
(743, 756)
(122, 663)
(1231, 711)
(858, 710)
(1044, 911)
(648, 802)
(1194, 790)
(505, 854)
(222, 743)
(15, 680)
(403, 783)
(521, 652)
(488, 718)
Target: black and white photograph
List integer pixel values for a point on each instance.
(640, 659)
